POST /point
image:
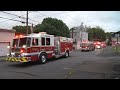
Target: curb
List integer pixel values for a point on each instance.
(2, 58)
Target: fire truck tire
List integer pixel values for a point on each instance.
(66, 54)
(42, 58)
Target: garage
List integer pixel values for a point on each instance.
(6, 37)
(3, 48)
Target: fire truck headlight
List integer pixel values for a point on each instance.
(12, 53)
(8, 47)
(24, 46)
(8, 54)
(23, 54)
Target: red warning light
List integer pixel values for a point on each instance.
(21, 35)
(21, 51)
(16, 36)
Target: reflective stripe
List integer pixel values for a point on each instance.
(49, 52)
(17, 59)
(24, 59)
(9, 58)
(35, 53)
(12, 59)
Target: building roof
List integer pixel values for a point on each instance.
(7, 30)
(117, 32)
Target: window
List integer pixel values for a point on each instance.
(22, 42)
(28, 42)
(42, 41)
(35, 41)
(15, 42)
(47, 41)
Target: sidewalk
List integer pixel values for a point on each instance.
(107, 52)
(2, 58)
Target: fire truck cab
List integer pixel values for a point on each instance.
(39, 47)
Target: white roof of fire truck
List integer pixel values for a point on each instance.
(39, 34)
(35, 35)
(65, 39)
(62, 39)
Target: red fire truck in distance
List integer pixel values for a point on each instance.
(97, 44)
(39, 47)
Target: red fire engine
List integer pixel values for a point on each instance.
(39, 47)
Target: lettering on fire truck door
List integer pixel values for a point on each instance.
(35, 47)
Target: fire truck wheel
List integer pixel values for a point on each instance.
(43, 58)
(66, 54)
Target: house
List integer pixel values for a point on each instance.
(6, 37)
(116, 38)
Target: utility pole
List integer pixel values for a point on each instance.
(27, 22)
(117, 45)
(117, 35)
(32, 28)
(72, 33)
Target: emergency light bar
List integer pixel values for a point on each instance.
(18, 36)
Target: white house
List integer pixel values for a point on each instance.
(6, 37)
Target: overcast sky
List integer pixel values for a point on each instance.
(108, 20)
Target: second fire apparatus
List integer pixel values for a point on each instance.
(39, 47)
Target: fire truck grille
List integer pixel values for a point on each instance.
(16, 50)
(17, 54)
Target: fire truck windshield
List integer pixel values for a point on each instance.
(22, 41)
(15, 42)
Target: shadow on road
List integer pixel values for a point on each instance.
(29, 64)
(23, 65)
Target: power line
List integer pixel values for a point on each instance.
(15, 20)
(6, 20)
(41, 13)
(71, 17)
(49, 14)
(12, 18)
(18, 15)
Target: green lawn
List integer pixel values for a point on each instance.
(2, 58)
(116, 51)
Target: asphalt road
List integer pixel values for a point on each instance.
(80, 65)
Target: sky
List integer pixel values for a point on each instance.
(109, 21)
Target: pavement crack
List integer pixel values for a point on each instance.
(23, 73)
(70, 72)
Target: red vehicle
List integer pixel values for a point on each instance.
(39, 47)
(97, 44)
(87, 47)
(103, 44)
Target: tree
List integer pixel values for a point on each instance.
(96, 33)
(53, 26)
(109, 37)
(22, 29)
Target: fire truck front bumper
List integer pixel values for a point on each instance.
(18, 59)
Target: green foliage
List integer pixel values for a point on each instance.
(109, 37)
(96, 33)
(53, 26)
(22, 29)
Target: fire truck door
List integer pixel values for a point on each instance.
(57, 48)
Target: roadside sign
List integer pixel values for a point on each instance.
(116, 35)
